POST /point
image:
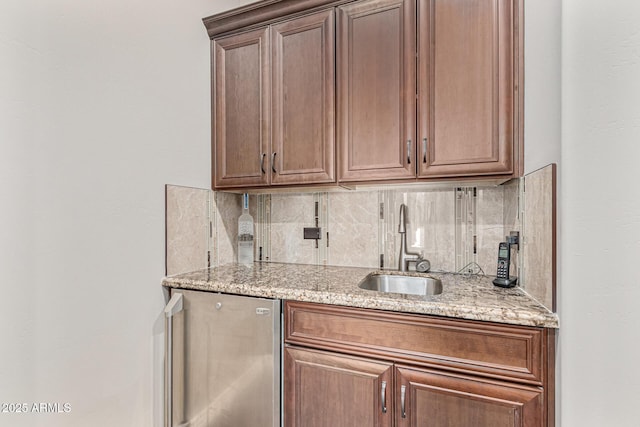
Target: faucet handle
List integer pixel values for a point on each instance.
(423, 266)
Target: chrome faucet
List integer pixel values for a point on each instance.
(422, 265)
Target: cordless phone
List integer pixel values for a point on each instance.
(504, 262)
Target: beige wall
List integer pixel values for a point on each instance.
(101, 104)
(599, 238)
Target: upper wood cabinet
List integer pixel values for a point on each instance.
(463, 96)
(376, 90)
(467, 80)
(366, 90)
(303, 100)
(241, 104)
(274, 104)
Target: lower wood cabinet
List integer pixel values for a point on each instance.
(331, 389)
(436, 399)
(323, 389)
(365, 368)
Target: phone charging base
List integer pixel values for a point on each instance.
(505, 283)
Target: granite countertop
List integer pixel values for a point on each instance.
(464, 296)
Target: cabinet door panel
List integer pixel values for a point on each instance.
(436, 399)
(241, 85)
(466, 87)
(325, 389)
(303, 99)
(376, 90)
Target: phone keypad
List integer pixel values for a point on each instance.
(503, 269)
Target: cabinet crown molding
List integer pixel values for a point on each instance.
(261, 12)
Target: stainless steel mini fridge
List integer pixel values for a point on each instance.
(222, 360)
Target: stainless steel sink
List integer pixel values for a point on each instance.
(401, 284)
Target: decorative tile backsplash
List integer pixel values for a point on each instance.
(225, 210)
(353, 229)
(187, 228)
(456, 229)
(289, 214)
(539, 237)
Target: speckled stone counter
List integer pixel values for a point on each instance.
(464, 296)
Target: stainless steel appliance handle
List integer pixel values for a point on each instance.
(403, 393)
(173, 307)
(383, 393)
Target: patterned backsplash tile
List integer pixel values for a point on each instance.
(187, 228)
(456, 229)
(362, 227)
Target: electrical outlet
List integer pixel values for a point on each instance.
(313, 233)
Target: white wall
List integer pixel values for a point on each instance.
(542, 82)
(599, 282)
(101, 104)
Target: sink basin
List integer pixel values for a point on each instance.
(401, 284)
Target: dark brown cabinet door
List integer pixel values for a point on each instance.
(241, 108)
(303, 100)
(433, 399)
(376, 90)
(325, 389)
(466, 83)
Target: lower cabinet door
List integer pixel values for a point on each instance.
(327, 389)
(434, 399)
